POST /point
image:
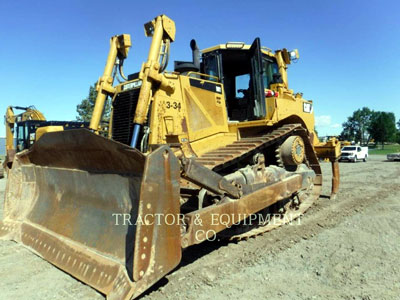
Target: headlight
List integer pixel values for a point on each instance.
(294, 55)
(234, 45)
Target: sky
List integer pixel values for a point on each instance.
(52, 51)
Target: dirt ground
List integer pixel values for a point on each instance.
(348, 248)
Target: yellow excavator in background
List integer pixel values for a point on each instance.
(25, 128)
(13, 124)
(219, 147)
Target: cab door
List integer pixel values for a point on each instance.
(257, 80)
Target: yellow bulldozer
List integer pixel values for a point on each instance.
(219, 147)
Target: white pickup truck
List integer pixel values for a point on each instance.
(354, 153)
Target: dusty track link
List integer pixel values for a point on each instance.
(223, 157)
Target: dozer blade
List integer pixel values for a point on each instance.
(87, 205)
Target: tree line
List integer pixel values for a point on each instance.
(366, 125)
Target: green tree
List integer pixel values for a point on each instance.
(398, 132)
(383, 127)
(355, 128)
(349, 130)
(85, 108)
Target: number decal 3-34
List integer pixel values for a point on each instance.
(174, 105)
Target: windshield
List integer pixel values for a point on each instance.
(349, 149)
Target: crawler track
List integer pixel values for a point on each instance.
(225, 157)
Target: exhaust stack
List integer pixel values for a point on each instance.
(195, 53)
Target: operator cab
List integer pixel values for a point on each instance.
(244, 71)
(25, 135)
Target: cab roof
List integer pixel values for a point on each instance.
(237, 46)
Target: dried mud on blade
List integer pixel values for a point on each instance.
(63, 198)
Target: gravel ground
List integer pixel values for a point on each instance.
(348, 248)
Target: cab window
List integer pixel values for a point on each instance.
(242, 83)
(20, 137)
(270, 69)
(211, 66)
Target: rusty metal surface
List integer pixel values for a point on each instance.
(7, 164)
(249, 146)
(60, 200)
(230, 154)
(157, 242)
(335, 178)
(204, 177)
(308, 197)
(201, 221)
(331, 150)
(83, 150)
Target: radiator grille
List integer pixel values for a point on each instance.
(124, 107)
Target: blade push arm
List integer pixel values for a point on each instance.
(119, 48)
(162, 29)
